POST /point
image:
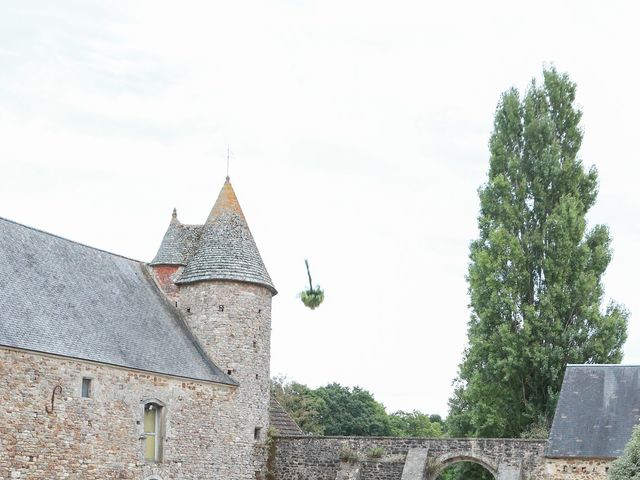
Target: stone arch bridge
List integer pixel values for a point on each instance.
(385, 458)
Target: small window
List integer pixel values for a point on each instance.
(256, 433)
(152, 432)
(86, 387)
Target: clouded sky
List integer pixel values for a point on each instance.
(358, 132)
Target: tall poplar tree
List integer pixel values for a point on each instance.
(535, 273)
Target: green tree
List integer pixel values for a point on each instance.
(535, 270)
(332, 410)
(338, 410)
(351, 411)
(300, 402)
(415, 424)
(627, 467)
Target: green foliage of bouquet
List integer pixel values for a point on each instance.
(313, 297)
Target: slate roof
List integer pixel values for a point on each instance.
(282, 421)
(179, 243)
(226, 250)
(597, 410)
(64, 298)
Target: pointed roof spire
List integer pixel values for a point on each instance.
(226, 250)
(227, 202)
(178, 243)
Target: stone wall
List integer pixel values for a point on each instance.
(99, 437)
(578, 469)
(333, 458)
(232, 320)
(164, 275)
(352, 458)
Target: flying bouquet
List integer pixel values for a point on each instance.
(313, 297)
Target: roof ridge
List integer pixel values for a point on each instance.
(69, 240)
(586, 365)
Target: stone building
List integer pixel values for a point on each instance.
(111, 368)
(597, 409)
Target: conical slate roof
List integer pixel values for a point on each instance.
(226, 250)
(179, 243)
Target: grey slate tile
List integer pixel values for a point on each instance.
(598, 407)
(65, 298)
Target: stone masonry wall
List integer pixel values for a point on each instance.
(232, 320)
(99, 437)
(329, 458)
(577, 469)
(164, 276)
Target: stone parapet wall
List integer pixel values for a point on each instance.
(328, 458)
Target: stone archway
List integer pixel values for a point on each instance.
(439, 464)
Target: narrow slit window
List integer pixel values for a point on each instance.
(152, 436)
(256, 433)
(86, 387)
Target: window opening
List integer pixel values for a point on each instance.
(86, 387)
(152, 436)
(256, 433)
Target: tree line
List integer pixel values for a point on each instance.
(349, 411)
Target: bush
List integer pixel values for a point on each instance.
(627, 467)
(348, 455)
(376, 452)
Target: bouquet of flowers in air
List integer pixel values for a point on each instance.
(312, 297)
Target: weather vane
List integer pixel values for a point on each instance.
(228, 155)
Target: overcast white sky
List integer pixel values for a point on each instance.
(359, 134)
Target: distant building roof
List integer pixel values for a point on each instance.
(281, 420)
(226, 249)
(598, 407)
(64, 298)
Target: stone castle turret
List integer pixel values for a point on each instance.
(215, 275)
